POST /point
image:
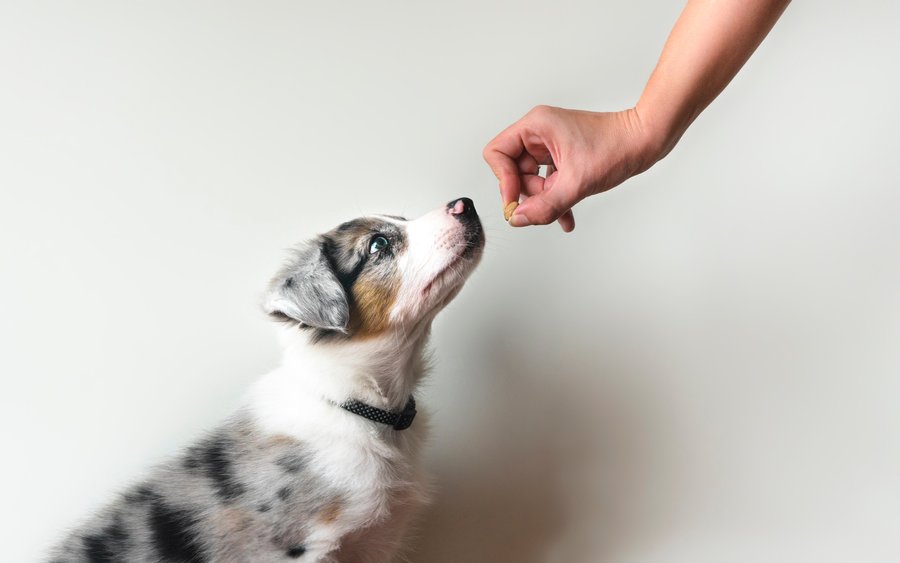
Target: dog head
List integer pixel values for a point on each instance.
(378, 275)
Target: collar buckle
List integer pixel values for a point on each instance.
(406, 416)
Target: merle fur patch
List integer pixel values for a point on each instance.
(174, 534)
(108, 545)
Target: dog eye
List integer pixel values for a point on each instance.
(378, 244)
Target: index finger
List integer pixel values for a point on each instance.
(501, 154)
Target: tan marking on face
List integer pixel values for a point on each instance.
(331, 512)
(281, 440)
(373, 300)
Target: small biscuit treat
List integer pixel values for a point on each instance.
(508, 210)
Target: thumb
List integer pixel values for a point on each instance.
(545, 207)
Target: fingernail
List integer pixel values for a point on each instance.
(519, 220)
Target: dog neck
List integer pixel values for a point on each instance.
(381, 371)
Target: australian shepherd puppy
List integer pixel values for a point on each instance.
(322, 463)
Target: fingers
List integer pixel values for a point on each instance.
(535, 187)
(502, 156)
(517, 151)
(567, 221)
(532, 185)
(549, 200)
(540, 136)
(527, 164)
(515, 155)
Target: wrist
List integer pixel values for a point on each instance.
(661, 130)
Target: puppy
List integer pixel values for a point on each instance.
(323, 461)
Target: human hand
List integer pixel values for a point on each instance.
(588, 153)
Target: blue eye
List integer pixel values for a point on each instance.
(378, 244)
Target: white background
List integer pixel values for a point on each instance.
(706, 370)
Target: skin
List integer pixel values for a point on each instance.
(591, 152)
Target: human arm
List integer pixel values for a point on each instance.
(593, 152)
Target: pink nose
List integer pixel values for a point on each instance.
(458, 208)
(462, 208)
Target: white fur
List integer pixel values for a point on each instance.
(379, 467)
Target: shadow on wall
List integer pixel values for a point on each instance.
(558, 466)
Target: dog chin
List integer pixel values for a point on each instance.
(451, 277)
(447, 283)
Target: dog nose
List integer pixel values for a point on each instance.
(462, 208)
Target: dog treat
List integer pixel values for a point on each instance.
(508, 210)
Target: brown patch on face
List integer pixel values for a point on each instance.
(331, 512)
(281, 440)
(368, 273)
(373, 299)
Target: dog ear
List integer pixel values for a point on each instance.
(308, 291)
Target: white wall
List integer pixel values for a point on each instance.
(705, 371)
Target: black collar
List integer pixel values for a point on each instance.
(400, 420)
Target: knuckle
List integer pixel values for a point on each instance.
(540, 111)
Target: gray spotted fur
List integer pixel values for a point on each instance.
(312, 288)
(308, 291)
(236, 495)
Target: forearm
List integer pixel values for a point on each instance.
(707, 47)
